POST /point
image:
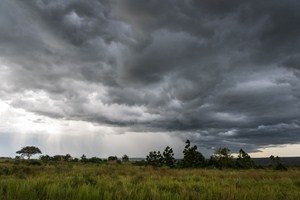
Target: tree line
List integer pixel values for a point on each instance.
(192, 158)
(221, 159)
(29, 151)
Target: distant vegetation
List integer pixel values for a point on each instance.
(192, 158)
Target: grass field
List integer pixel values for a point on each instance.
(63, 180)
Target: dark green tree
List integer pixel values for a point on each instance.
(45, 158)
(29, 151)
(222, 158)
(94, 160)
(244, 160)
(191, 157)
(125, 158)
(155, 159)
(59, 158)
(68, 157)
(274, 159)
(83, 158)
(168, 157)
(277, 164)
(112, 158)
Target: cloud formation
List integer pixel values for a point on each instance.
(221, 73)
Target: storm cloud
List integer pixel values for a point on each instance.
(220, 73)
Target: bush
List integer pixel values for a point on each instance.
(112, 158)
(139, 163)
(125, 158)
(280, 167)
(34, 163)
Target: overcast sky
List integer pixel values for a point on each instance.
(109, 77)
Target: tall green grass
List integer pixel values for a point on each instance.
(112, 181)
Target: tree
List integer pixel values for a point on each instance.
(244, 160)
(58, 158)
(45, 158)
(112, 158)
(274, 159)
(125, 158)
(83, 158)
(168, 157)
(155, 159)
(29, 151)
(222, 158)
(68, 157)
(94, 160)
(277, 164)
(191, 157)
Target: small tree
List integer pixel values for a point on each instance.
(191, 157)
(94, 160)
(168, 157)
(244, 160)
(83, 158)
(277, 164)
(125, 158)
(222, 158)
(68, 157)
(45, 158)
(29, 151)
(274, 159)
(112, 158)
(155, 159)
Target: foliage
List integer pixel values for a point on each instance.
(94, 160)
(191, 157)
(139, 163)
(45, 158)
(34, 162)
(155, 159)
(222, 158)
(112, 158)
(83, 158)
(168, 157)
(29, 151)
(277, 164)
(125, 158)
(274, 159)
(244, 160)
(67, 157)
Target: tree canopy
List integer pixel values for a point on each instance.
(191, 157)
(29, 151)
(244, 160)
(222, 158)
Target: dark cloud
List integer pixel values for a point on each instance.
(219, 72)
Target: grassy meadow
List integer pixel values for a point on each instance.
(66, 180)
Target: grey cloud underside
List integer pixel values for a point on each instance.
(220, 72)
